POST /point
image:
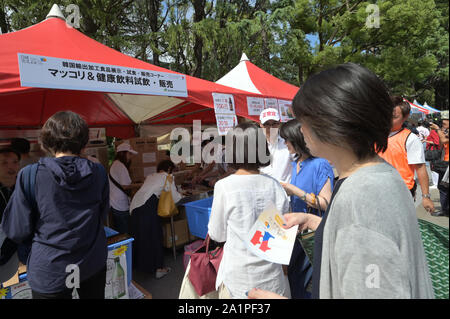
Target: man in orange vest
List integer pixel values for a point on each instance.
(405, 153)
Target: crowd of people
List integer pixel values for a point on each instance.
(346, 168)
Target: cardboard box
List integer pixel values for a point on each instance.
(139, 173)
(100, 153)
(182, 235)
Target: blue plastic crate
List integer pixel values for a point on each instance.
(109, 233)
(198, 213)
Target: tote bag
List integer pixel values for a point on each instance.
(204, 264)
(166, 205)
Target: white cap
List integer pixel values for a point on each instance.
(8, 269)
(269, 114)
(125, 147)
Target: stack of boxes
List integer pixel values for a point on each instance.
(148, 157)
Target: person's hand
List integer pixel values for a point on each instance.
(300, 219)
(197, 179)
(256, 293)
(434, 126)
(289, 188)
(213, 182)
(428, 205)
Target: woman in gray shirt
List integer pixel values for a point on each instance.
(368, 244)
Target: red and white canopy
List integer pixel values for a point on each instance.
(30, 107)
(248, 77)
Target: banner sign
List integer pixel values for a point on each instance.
(271, 103)
(255, 105)
(223, 103)
(225, 111)
(55, 73)
(225, 122)
(285, 110)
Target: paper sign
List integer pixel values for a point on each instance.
(255, 105)
(55, 73)
(271, 103)
(225, 122)
(149, 157)
(285, 110)
(269, 240)
(116, 274)
(224, 103)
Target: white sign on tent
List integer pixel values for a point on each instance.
(225, 111)
(255, 105)
(56, 73)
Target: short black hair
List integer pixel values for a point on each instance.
(166, 166)
(10, 150)
(248, 146)
(402, 104)
(65, 131)
(22, 145)
(290, 131)
(347, 106)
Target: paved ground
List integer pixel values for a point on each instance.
(169, 286)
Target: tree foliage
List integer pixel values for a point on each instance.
(290, 39)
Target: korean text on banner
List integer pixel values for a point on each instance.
(48, 72)
(269, 240)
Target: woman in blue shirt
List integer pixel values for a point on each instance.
(310, 189)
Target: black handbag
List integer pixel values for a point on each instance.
(439, 167)
(433, 155)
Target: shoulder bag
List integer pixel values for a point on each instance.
(166, 204)
(204, 265)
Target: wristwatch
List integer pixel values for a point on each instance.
(426, 196)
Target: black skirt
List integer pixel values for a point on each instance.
(146, 228)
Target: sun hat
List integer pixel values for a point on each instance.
(125, 147)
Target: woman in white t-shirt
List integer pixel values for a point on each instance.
(239, 199)
(145, 224)
(119, 178)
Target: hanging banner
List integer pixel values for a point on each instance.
(285, 110)
(225, 111)
(271, 103)
(224, 103)
(55, 73)
(225, 122)
(255, 105)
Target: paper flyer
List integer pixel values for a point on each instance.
(224, 103)
(225, 123)
(285, 110)
(255, 105)
(116, 274)
(269, 240)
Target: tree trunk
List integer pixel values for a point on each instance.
(199, 15)
(3, 21)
